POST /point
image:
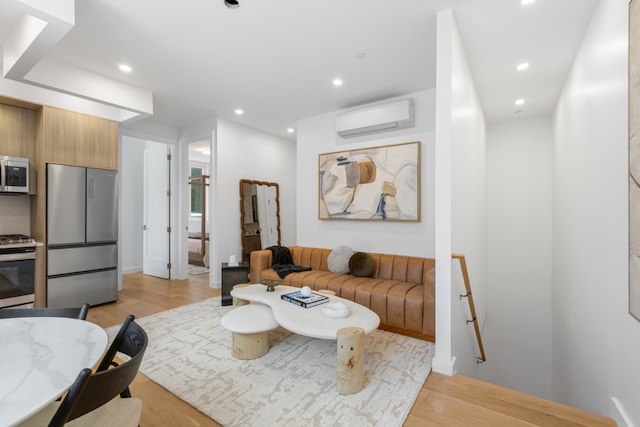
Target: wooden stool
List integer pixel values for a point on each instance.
(350, 365)
(249, 325)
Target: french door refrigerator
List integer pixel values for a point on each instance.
(82, 236)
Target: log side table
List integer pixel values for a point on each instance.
(232, 275)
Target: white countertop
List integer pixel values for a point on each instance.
(40, 357)
(309, 322)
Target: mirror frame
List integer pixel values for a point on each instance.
(243, 229)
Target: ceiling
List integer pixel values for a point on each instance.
(276, 60)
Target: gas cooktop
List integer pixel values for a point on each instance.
(16, 239)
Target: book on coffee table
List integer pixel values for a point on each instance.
(306, 302)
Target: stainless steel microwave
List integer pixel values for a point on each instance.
(14, 175)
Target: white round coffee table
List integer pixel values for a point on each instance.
(249, 325)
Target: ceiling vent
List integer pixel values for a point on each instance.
(380, 118)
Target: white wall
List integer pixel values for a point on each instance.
(246, 153)
(131, 201)
(461, 206)
(317, 135)
(517, 332)
(596, 343)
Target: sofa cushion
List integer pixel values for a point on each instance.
(338, 259)
(362, 264)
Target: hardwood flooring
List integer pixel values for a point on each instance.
(443, 401)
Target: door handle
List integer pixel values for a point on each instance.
(145, 228)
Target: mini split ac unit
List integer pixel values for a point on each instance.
(379, 118)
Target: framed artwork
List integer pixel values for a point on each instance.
(634, 158)
(373, 184)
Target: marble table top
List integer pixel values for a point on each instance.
(40, 357)
(310, 322)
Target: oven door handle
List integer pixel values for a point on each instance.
(23, 256)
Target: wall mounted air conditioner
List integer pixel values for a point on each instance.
(379, 118)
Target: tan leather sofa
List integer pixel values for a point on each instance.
(401, 290)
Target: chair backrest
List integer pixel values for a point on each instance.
(90, 391)
(71, 312)
(129, 341)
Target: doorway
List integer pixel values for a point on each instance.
(199, 169)
(142, 161)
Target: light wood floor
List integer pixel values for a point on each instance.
(443, 401)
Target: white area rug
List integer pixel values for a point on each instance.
(294, 384)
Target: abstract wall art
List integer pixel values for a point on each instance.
(375, 184)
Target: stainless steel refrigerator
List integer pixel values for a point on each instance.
(82, 236)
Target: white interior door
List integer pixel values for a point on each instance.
(155, 240)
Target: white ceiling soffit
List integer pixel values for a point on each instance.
(40, 26)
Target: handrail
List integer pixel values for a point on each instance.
(472, 307)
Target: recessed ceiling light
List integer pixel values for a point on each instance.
(239, 112)
(519, 101)
(526, 2)
(232, 4)
(290, 130)
(522, 66)
(337, 82)
(125, 68)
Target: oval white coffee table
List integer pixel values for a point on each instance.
(311, 322)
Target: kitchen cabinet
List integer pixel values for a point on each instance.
(77, 139)
(17, 130)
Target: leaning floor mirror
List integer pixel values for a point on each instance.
(259, 216)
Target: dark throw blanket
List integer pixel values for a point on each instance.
(282, 263)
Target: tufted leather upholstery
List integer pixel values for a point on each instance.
(401, 290)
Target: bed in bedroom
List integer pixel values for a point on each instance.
(198, 249)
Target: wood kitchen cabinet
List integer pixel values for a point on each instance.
(79, 140)
(17, 130)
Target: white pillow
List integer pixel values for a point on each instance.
(338, 259)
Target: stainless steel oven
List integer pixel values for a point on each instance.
(17, 270)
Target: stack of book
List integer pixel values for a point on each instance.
(306, 302)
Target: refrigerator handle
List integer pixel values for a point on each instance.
(90, 188)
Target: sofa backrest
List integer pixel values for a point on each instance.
(394, 267)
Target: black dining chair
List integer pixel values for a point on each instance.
(93, 399)
(128, 341)
(71, 312)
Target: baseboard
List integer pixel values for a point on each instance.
(132, 270)
(407, 333)
(619, 415)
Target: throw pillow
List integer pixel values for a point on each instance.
(338, 260)
(362, 264)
